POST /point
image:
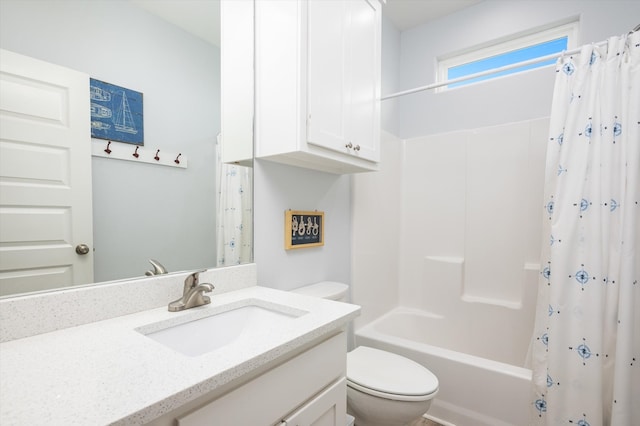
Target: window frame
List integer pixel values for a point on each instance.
(502, 46)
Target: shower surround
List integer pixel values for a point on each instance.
(461, 243)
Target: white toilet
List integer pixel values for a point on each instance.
(383, 389)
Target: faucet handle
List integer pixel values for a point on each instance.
(193, 294)
(192, 280)
(158, 269)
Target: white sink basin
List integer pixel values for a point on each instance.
(202, 335)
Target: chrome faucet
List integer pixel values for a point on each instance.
(193, 294)
(158, 269)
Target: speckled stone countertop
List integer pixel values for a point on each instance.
(107, 372)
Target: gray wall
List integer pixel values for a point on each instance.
(513, 98)
(424, 178)
(64, 32)
(280, 187)
(409, 61)
(141, 211)
(390, 76)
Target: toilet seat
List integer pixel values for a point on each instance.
(388, 375)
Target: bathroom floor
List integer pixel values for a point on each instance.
(423, 422)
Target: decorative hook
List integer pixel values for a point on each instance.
(135, 154)
(177, 161)
(156, 157)
(107, 150)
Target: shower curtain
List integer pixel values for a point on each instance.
(586, 343)
(234, 221)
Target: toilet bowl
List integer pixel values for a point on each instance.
(383, 388)
(387, 389)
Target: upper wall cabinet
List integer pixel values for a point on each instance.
(236, 81)
(317, 83)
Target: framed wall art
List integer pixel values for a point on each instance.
(303, 229)
(116, 113)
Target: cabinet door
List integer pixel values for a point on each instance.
(343, 48)
(326, 68)
(329, 408)
(283, 389)
(363, 53)
(236, 85)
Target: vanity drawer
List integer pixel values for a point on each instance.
(329, 408)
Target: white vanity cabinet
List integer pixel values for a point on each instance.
(309, 389)
(317, 83)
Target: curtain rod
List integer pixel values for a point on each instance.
(489, 72)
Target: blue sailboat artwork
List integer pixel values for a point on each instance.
(116, 113)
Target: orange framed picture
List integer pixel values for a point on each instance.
(303, 229)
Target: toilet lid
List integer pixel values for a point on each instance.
(324, 289)
(388, 373)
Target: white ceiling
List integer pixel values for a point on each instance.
(202, 17)
(409, 13)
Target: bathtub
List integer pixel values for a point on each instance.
(477, 388)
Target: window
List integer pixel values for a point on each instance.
(502, 53)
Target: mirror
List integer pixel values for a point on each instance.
(145, 211)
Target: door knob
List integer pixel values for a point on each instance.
(82, 249)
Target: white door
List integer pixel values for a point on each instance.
(45, 176)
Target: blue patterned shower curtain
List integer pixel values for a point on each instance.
(234, 221)
(586, 342)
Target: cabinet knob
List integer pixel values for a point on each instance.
(349, 145)
(356, 148)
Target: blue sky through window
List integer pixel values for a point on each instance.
(508, 58)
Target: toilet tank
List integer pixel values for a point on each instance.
(326, 290)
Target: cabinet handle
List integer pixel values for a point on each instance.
(349, 145)
(356, 148)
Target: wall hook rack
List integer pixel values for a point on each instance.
(141, 154)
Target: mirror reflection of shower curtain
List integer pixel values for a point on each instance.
(234, 221)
